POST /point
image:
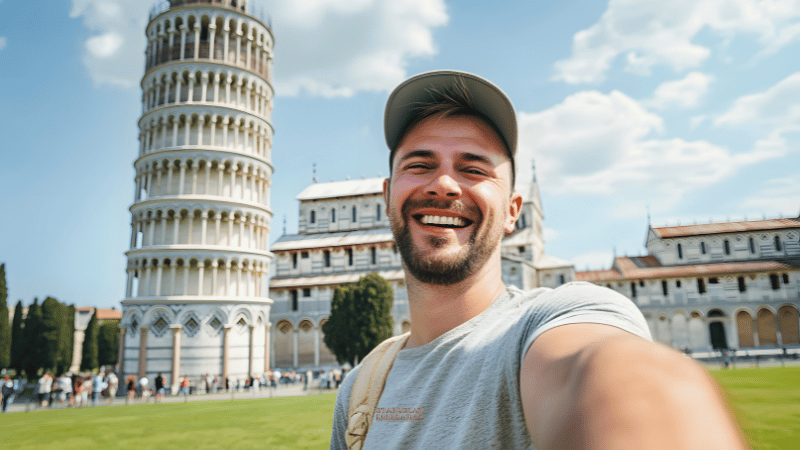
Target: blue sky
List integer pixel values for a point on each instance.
(688, 108)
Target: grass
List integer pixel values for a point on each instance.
(766, 402)
(276, 423)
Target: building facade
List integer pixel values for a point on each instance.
(715, 286)
(343, 235)
(196, 300)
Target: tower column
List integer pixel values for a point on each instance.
(225, 351)
(121, 354)
(176, 357)
(142, 351)
(267, 328)
(251, 367)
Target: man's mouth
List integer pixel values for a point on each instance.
(442, 221)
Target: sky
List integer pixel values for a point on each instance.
(686, 111)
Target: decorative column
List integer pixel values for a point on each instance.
(121, 354)
(251, 367)
(142, 351)
(316, 346)
(176, 357)
(295, 341)
(226, 354)
(267, 328)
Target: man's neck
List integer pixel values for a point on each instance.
(436, 309)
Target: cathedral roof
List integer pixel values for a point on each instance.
(727, 227)
(648, 267)
(336, 189)
(337, 279)
(337, 239)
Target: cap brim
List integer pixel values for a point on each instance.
(488, 100)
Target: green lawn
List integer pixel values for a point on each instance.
(766, 401)
(767, 404)
(276, 423)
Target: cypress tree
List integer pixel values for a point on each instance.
(32, 354)
(51, 333)
(17, 339)
(5, 327)
(108, 344)
(67, 338)
(89, 356)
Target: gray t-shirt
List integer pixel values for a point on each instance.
(462, 389)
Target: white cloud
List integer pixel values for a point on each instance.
(646, 34)
(323, 47)
(776, 196)
(598, 144)
(104, 46)
(3, 42)
(685, 93)
(775, 108)
(550, 234)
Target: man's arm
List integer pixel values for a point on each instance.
(592, 386)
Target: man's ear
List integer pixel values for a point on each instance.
(514, 209)
(386, 195)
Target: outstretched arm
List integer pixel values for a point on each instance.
(591, 386)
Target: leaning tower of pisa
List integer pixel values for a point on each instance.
(196, 300)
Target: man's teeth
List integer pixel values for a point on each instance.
(442, 220)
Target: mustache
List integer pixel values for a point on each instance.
(454, 206)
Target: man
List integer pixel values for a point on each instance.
(490, 366)
(98, 386)
(160, 391)
(144, 388)
(113, 382)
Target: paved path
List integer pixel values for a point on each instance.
(21, 405)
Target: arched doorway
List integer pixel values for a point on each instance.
(765, 324)
(744, 326)
(787, 315)
(716, 330)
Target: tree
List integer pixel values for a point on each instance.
(89, 356)
(51, 334)
(107, 344)
(17, 339)
(5, 327)
(32, 359)
(361, 318)
(67, 338)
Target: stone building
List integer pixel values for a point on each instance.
(714, 286)
(83, 314)
(343, 235)
(196, 300)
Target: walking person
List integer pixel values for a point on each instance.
(159, 387)
(144, 388)
(112, 382)
(130, 385)
(98, 385)
(45, 387)
(6, 392)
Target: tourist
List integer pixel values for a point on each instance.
(6, 391)
(490, 366)
(112, 382)
(45, 387)
(98, 386)
(159, 387)
(144, 388)
(130, 384)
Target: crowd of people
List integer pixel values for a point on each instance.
(90, 389)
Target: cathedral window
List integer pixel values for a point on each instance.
(374, 255)
(785, 278)
(313, 217)
(703, 248)
(349, 256)
(680, 251)
(774, 282)
(701, 286)
(742, 285)
(777, 243)
(294, 260)
(327, 254)
(633, 290)
(294, 300)
(752, 245)
(354, 215)
(306, 292)
(664, 287)
(727, 245)
(333, 214)
(378, 212)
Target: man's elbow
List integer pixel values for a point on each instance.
(636, 394)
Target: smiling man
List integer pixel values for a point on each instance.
(490, 366)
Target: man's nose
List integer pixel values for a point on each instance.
(444, 186)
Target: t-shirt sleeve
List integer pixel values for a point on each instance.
(340, 412)
(581, 302)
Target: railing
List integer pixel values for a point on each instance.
(173, 53)
(259, 13)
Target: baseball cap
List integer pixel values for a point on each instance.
(488, 100)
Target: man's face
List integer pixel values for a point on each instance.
(449, 198)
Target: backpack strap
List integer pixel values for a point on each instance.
(367, 389)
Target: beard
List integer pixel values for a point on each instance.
(452, 268)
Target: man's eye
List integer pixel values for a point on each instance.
(474, 171)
